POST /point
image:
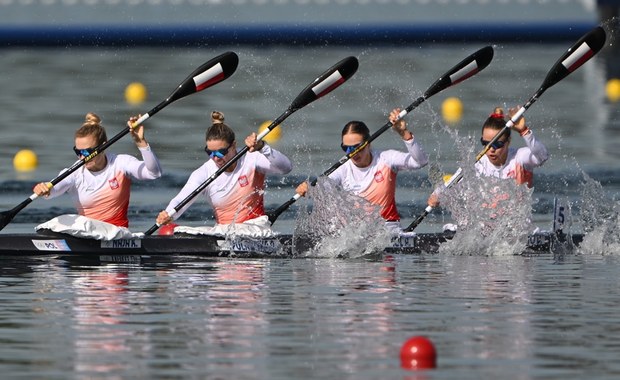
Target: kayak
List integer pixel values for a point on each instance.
(166, 248)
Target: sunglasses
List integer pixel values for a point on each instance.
(498, 144)
(348, 149)
(84, 152)
(220, 153)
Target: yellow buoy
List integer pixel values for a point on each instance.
(274, 135)
(612, 89)
(25, 161)
(452, 110)
(135, 93)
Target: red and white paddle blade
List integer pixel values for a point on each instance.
(208, 74)
(465, 69)
(327, 82)
(578, 54)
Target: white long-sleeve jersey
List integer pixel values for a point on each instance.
(520, 162)
(377, 182)
(235, 196)
(104, 195)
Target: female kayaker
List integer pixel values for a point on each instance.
(237, 194)
(504, 162)
(501, 160)
(371, 174)
(101, 187)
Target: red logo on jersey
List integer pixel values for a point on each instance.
(378, 177)
(113, 184)
(243, 181)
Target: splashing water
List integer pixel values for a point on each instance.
(493, 215)
(340, 224)
(600, 217)
(612, 28)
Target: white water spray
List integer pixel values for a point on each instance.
(340, 224)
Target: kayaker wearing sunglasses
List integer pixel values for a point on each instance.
(101, 187)
(371, 174)
(237, 195)
(501, 160)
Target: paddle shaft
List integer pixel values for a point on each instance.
(460, 72)
(205, 76)
(578, 54)
(321, 86)
(15, 210)
(97, 151)
(458, 175)
(273, 216)
(222, 169)
(104, 146)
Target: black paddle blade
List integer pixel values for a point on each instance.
(468, 67)
(326, 83)
(207, 75)
(578, 54)
(7, 216)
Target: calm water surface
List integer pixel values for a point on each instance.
(546, 317)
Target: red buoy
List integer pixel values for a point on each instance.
(418, 352)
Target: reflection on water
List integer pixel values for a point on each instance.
(100, 306)
(312, 318)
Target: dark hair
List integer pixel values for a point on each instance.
(218, 130)
(496, 122)
(356, 127)
(92, 127)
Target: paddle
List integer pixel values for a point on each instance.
(463, 70)
(584, 49)
(321, 86)
(205, 76)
